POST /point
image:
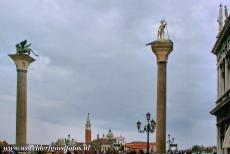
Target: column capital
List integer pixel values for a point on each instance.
(22, 61)
(162, 48)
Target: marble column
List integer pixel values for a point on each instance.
(218, 81)
(161, 48)
(218, 140)
(22, 61)
(226, 75)
(222, 79)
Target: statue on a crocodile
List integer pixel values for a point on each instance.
(24, 48)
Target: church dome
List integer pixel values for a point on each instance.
(110, 134)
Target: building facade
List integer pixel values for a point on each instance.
(140, 146)
(108, 143)
(222, 109)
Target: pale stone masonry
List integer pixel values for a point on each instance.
(221, 50)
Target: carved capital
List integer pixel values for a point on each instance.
(162, 49)
(22, 61)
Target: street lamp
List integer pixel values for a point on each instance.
(149, 128)
(170, 141)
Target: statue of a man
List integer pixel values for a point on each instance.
(161, 30)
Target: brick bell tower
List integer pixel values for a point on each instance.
(88, 131)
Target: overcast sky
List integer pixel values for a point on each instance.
(93, 59)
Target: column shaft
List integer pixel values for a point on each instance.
(218, 140)
(21, 113)
(22, 61)
(222, 79)
(161, 108)
(218, 81)
(226, 76)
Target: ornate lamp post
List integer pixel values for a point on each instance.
(149, 128)
(170, 141)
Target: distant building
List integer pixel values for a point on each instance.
(88, 131)
(66, 141)
(222, 109)
(203, 149)
(105, 143)
(108, 143)
(138, 146)
(2, 144)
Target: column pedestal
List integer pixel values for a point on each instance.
(22, 61)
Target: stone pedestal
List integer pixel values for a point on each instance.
(22, 61)
(161, 49)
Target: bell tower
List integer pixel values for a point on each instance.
(88, 131)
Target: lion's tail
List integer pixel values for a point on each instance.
(34, 53)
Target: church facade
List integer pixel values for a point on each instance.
(222, 109)
(108, 142)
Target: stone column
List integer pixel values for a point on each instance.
(22, 61)
(218, 81)
(218, 140)
(161, 49)
(222, 79)
(226, 75)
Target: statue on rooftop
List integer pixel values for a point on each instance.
(226, 12)
(220, 19)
